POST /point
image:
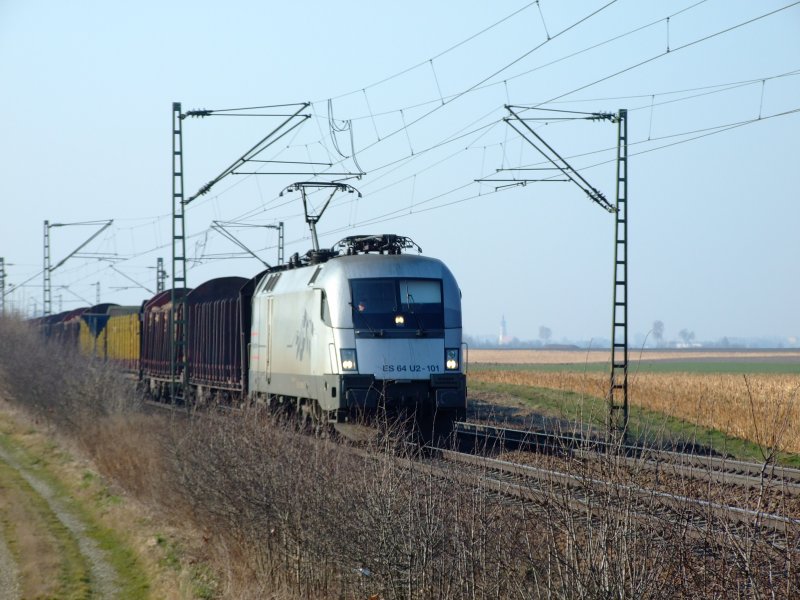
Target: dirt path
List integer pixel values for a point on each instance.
(44, 529)
(9, 574)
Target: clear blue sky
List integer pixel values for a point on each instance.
(85, 135)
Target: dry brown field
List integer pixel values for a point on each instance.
(760, 407)
(553, 357)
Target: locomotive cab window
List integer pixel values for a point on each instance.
(397, 307)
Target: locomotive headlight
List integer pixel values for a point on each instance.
(349, 362)
(451, 359)
(399, 320)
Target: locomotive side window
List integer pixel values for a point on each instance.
(325, 311)
(397, 307)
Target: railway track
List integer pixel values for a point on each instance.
(709, 468)
(701, 517)
(587, 494)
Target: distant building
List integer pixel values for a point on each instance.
(503, 339)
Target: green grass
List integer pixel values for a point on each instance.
(73, 569)
(172, 553)
(656, 366)
(130, 577)
(646, 425)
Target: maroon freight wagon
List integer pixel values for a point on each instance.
(49, 327)
(156, 340)
(219, 323)
(65, 327)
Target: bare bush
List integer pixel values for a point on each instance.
(291, 515)
(57, 382)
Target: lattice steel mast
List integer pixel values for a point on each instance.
(618, 389)
(280, 241)
(47, 294)
(2, 286)
(618, 386)
(47, 269)
(177, 315)
(161, 275)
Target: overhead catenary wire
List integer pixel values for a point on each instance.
(406, 125)
(399, 212)
(439, 55)
(419, 152)
(418, 208)
(713, 88)
(689, 44)
(673, 51)
(704, 132)
(529, 71)
(493, 74)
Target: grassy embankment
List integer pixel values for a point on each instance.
(63, 422)
(48, 555)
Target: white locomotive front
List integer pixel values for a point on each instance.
(351, 332)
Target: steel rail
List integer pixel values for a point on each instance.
(701, 513)
(713, 468)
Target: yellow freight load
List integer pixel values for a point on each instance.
(122, 337)
(92, 331)
(110, 332)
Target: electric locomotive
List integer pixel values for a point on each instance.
(364, 328)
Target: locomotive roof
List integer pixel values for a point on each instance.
(341, 268)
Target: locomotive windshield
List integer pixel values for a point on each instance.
(397, 307)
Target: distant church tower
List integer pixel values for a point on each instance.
(503, 332)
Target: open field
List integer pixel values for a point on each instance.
(595, 357)
(748, 395)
